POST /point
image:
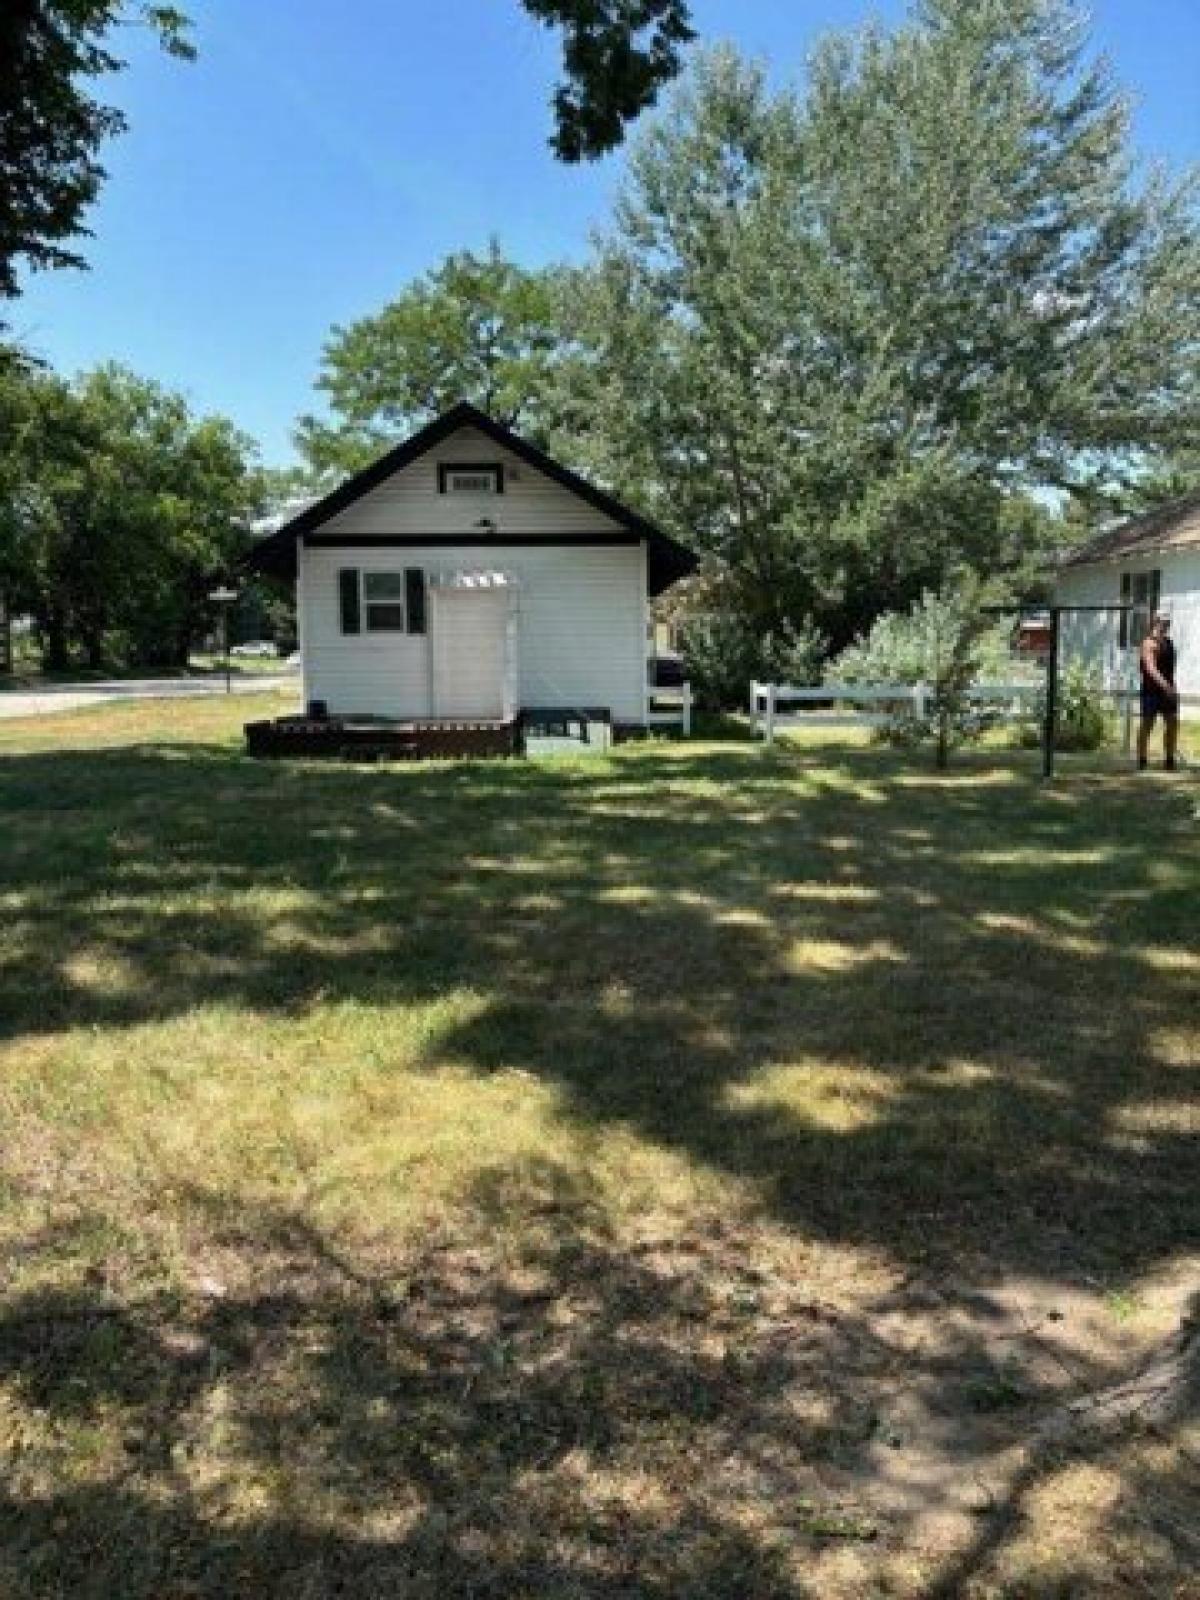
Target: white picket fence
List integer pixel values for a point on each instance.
(674, 709)
(766, 715)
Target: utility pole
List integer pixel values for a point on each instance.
(1050, 730)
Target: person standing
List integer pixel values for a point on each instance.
(1160, 698)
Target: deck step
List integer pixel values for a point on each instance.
(359, 739)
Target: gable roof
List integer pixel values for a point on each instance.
(667, 559)
(1171, 527)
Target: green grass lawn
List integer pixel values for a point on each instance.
(706, 1171)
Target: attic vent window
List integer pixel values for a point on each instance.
(471, 478)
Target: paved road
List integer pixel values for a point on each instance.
(74, 696)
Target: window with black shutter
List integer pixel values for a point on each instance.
(348, 596)
(414, 598)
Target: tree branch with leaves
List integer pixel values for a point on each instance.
(52, 127)
(617, 55)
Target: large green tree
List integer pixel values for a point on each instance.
(124, 509)
(476, 328)
(51, 125)
(847, 339)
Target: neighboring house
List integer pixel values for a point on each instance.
(1151, 564)
(466, 575)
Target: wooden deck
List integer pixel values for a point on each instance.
(365, 739)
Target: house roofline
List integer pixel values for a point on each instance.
(1145, 535)
(1122, 556)
(668, 560)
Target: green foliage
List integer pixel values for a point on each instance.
(946, 641)
(267, 610)
(51, 129)
(837, 340)
(724, 653)
(617, 54)
(1084, 712)
(121, 510)
(909, 646)
(476, 328)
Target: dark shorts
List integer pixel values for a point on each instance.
(1156, 704)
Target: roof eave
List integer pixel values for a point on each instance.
(275, 556)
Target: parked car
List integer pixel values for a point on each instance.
(255, 647)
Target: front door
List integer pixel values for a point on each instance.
(468, 653)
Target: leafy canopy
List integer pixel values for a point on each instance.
(617, 54)
(122, 507)
(52, 127)
(842, 339)
(476, 328)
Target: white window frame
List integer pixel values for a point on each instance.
(396, 602)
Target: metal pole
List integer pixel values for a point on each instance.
(223, 598)
(1051, 727)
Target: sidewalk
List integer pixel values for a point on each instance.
(74, 696)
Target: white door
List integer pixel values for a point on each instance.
(468, 653)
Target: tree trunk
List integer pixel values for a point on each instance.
(52, 632)
(942, 757)
(93, 649)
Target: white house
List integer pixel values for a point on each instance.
(466, 575)
(1152, 564)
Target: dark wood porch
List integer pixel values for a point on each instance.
(372, 739)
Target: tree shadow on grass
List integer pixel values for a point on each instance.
(529, 1405)
(942, 1022)
(697, 947)
(480, 1420)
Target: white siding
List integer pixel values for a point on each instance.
(1097, 638)
(580, 627)
(408, 502)
(1094, 637)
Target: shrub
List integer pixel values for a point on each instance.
(946, 641)
(724, 652)
(909, 646)
(1084, 720)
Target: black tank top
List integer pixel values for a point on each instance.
(1164, 659)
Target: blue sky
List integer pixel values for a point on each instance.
(321, 153)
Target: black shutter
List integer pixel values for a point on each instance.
(348, 596)
(414, 598)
